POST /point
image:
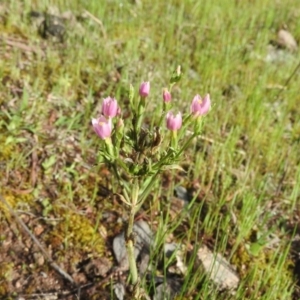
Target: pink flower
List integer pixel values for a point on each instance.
(102, 127)
(200, 106)
(110, 107)
(144, 89)
(167, 96)
(174, 122)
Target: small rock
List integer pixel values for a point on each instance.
(142, 244)
(43, 274)
(18, 284)
(52, 27)
(218, 269)
(119, 290)
(163, 291)
(98, 267)
(39, 258)
(275, 55)
(169, 248)
(168, 289)
(286, 40)
(144, 260)
(180, 267)
(183, 194)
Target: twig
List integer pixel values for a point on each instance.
(214, 142)
(289, 79)
(112, 273)
(97, 21)
(44, 252)
(15, 43)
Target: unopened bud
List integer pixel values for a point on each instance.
(176, 76)
(167, 96)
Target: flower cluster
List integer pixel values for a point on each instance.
(110, 109)
(103, 124)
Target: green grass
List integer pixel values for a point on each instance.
(246, 166)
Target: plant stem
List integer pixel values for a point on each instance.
(129, 233)
(130, 225)
(132, 262)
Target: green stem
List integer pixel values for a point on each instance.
(174, 139)
(188, 142)
(110, 148)
(130, 248)
(129, 233)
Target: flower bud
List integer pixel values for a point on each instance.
(167, 96)
(200, 106)
(174, 122)
(176, 76)
(102, 127)
(144, 89)
(110, 107)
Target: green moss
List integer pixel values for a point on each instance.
(77, 232)
(5, 150)
(3, 288)
(240, 259)
(264, 268)
(14, 200)
(6, 269)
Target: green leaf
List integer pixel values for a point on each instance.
(173, 167)
(49, 162)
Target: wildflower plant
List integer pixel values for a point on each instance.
(137, 154)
